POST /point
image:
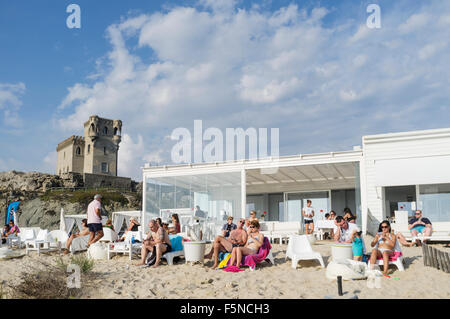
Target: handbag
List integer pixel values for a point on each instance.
(151, 258)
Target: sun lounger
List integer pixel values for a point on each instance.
(299, 248)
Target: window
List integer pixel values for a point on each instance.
(434, 200)
(104, 167)
(78, 150)
(105, 130)
(104, 151)
(89, 149)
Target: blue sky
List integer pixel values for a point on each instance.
(311, 68)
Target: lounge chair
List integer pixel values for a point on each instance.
(177, 249)
(396, 259)
(126, 247)
(299, 248)
(41, 243)
(109, 235)
(58, 238)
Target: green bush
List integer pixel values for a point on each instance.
(86, 264)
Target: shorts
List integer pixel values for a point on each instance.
(419, 228)
(308, 221)
(93, 228)
(168, 248)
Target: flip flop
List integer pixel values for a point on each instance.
(387, 276)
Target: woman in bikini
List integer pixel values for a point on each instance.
(254, 242)
(383, 246)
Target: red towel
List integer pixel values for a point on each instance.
(394, 256)
(232, 269)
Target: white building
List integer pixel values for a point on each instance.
(394, 171)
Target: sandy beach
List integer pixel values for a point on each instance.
(120, 278)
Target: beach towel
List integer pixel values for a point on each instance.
(232, 269)
(225, 260)
(394, 256)
(176, 242)
(252, 260)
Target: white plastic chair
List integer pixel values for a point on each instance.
(126, 247)
(398, 262)
(58, 239)
(109, 235)
(299, 248)
(38, 244)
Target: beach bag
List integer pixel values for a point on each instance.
(150, 260)
(224, 262)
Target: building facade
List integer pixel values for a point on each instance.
(389, 172)
(95, 153)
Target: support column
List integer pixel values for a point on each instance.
(144, 192)
(363, 192)
(243, 193)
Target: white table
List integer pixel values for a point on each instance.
(322, 226)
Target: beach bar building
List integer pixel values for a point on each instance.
(388, 172)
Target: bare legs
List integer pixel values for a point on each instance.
(309, 228)
(147, 246)
(377, 254)
(93, 239)
(237, 253)
(160, 250)
(220, 244)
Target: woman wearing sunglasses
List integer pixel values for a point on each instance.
(383, 246)
(254, 241)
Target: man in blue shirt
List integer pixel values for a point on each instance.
(419, 224)
(228, 227)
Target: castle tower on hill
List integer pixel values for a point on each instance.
(95, 153)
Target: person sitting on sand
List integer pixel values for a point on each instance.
(84, 232)
(228, 227)
(237, 238)
(134, 226)
(109, 224)
(159, 240)
(254, 242)
(383, 246)
(419, 224)
(176, 228)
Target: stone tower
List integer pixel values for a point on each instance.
(96, 152)
(102, 138)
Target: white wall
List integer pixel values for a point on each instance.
(400, 159)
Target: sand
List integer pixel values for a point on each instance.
(120, 278)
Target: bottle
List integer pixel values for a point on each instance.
(132, 239)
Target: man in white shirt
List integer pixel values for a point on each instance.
(343, 230)
(94, 220)
(308, 214)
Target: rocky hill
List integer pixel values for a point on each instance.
(43, 195)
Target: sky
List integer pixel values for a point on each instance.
(312, 69)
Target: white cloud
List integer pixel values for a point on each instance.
(10, 103)
(255, 68)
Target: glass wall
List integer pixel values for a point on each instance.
(434, 200)
(215, 194)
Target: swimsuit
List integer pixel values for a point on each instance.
(382, 250)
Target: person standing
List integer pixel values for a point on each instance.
(308, 214)
(94, 220)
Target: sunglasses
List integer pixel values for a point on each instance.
(252, 227)
(384, 226)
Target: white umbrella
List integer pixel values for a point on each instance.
(62, 221)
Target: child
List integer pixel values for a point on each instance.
(357, 246)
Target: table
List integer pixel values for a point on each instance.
(323, 225)
(194, 251)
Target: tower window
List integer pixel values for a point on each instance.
(78, 150)
(105, 130)
(89, 148)
(104, 151)
(104, 167)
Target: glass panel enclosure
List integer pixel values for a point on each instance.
(295, 202)
(434, 200)
(216, 194)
